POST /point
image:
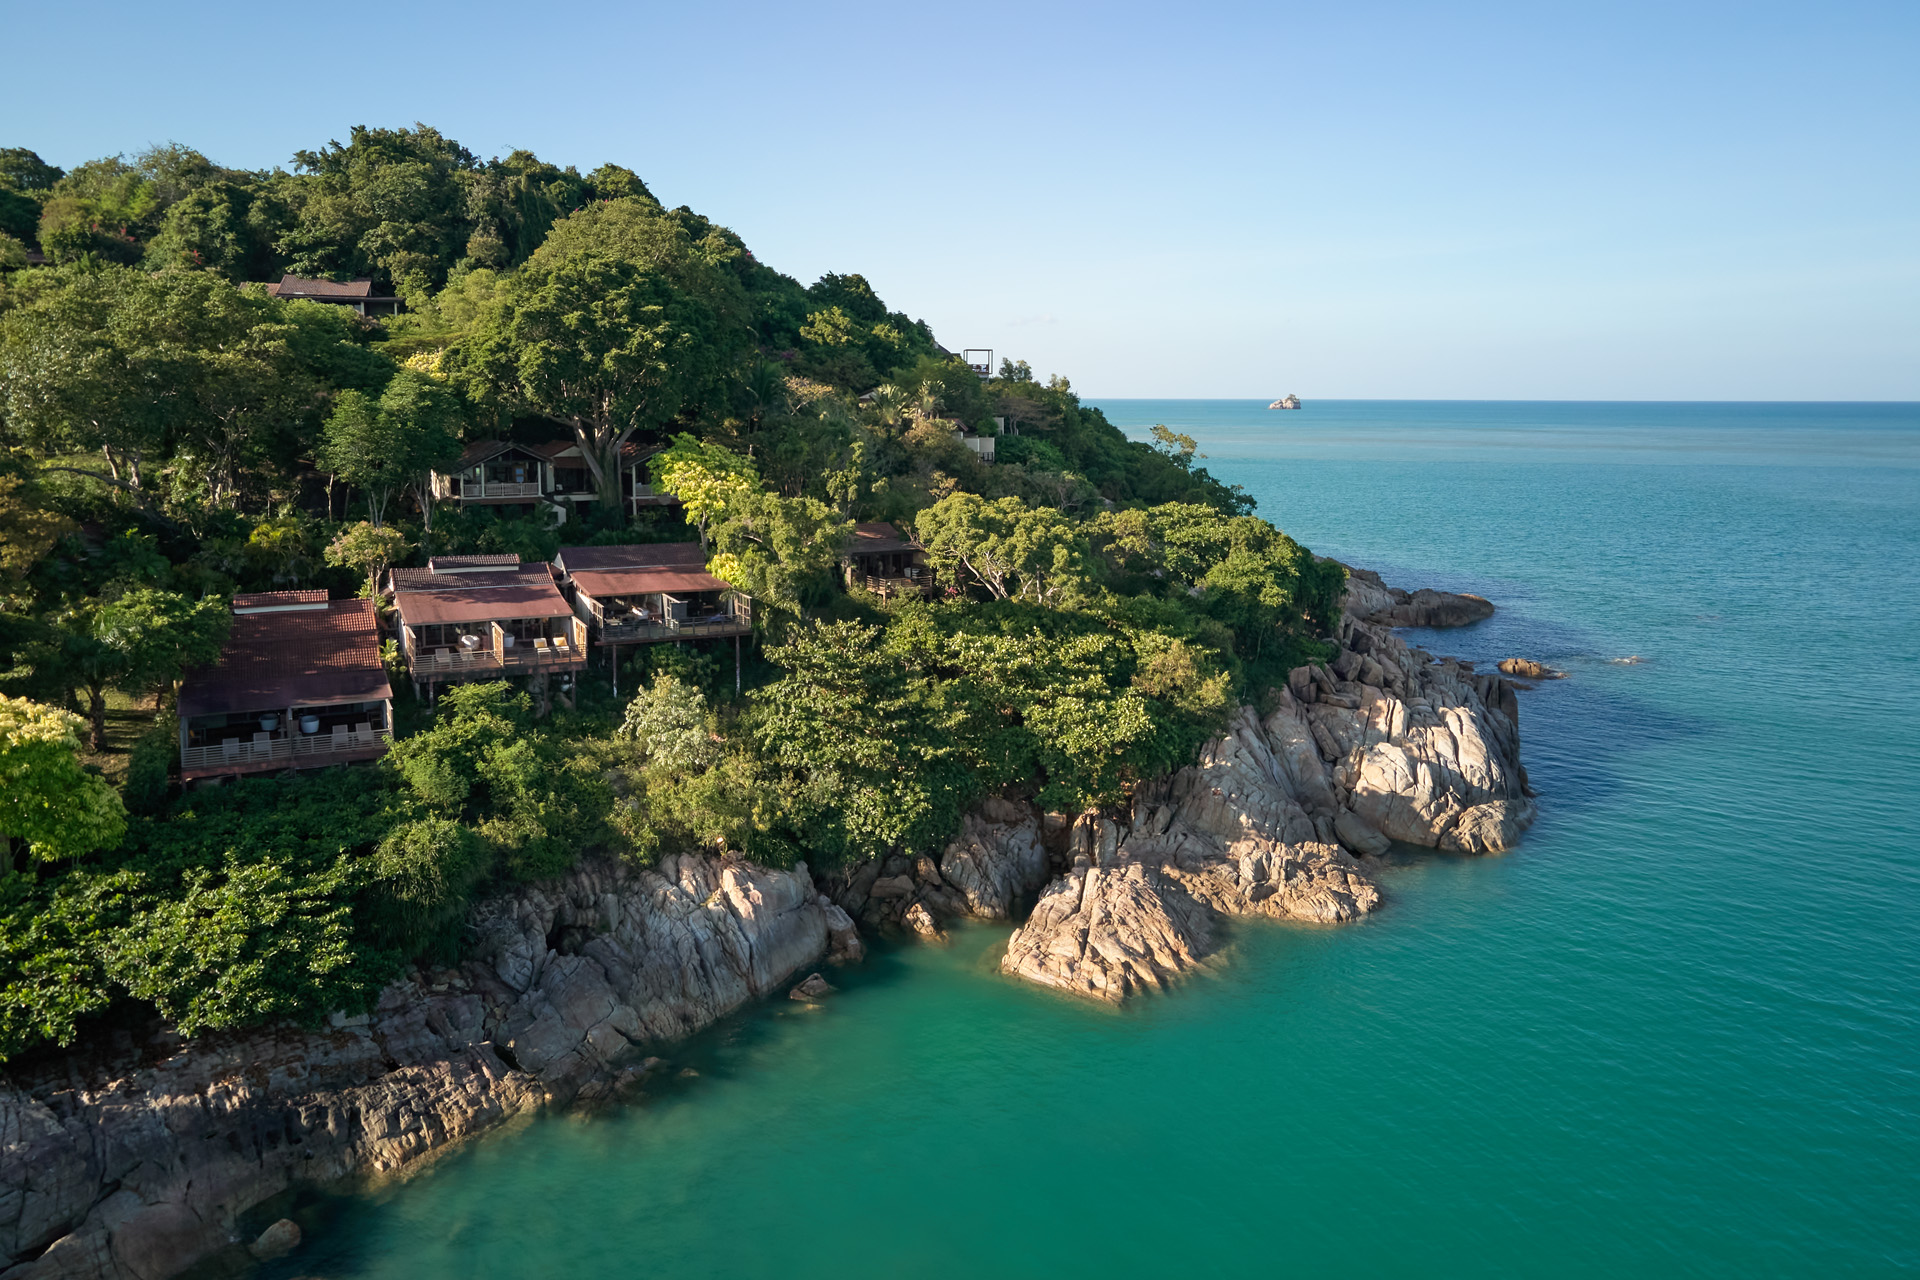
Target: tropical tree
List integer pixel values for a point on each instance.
(620, 323)
(706, 477)
(47, 800)
(398, 441)
(158, 635)
(1011, 550)
(369, 549)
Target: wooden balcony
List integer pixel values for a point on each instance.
(903, 584)
(653, 632)
(522, 658)
(284, 750)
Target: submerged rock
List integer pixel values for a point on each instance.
(277, 1241)
(812, 987)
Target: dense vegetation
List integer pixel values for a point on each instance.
(173, 435)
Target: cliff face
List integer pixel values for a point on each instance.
(1382, 744)
(137, 1161)
(133, 1166)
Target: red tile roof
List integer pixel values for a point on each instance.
(292, 657)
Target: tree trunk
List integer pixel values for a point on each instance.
(97, 715)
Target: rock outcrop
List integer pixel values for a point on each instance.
(137, 1162)
(1371, 600)
(1382, 744)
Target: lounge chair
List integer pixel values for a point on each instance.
(230, 749)
(540, 647)
(339, 737)
(363, 732)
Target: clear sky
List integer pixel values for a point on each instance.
(1597, 201)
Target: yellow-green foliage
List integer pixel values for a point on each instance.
(46, 798)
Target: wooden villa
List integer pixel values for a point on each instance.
(501, 473)
(357, 294)
(883, 560)
(298, 685)
(482, 618)
(651, 593)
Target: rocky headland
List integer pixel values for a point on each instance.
(139, 1157)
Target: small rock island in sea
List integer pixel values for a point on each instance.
(1286, 402)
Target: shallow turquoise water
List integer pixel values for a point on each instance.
(1677, 1032)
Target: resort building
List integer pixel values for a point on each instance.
(482, 618)
(357, 294)
(500, 473)
(649, 593)
(298, 685)
(881, 559)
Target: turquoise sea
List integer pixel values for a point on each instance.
(1676, 1033)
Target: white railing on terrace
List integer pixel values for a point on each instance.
(309, 748)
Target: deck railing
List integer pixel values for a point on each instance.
(705, 628)
(292, 749)
(525, 655)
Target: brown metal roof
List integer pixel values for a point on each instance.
(308, 599)
(425, 598)
(292, 286)
(458, 564)
(292, 658)
(877, 537)
(636, 582)
(646, 555)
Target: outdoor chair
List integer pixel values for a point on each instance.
(364, 731)
(339, 737)
(230, 749)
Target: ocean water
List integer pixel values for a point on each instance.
(1676, 1033)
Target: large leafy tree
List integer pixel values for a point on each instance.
(225, 387)
(389, 203)
(1007, 548)
(381, 446)
(620, 324)
(708, 478)
(158, 635)
(47, 801)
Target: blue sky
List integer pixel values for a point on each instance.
(1363, 200)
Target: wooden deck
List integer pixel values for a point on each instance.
(265, 752)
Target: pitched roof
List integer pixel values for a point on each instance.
(876, 537)
(425, 597)
(646, 555)
(291, 657)
(279, 601)
(292, 286)
(638, 582)
(470, 564)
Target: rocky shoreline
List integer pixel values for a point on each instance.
(139, 1158)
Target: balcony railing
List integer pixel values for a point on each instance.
(291, 749)
(643, 632)
(519, 658)
(886, 586)
(501, 489)
(522, 655)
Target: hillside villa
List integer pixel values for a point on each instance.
(298, 685)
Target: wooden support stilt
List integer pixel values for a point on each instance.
(736, 666)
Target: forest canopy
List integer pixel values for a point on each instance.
(173, 433)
